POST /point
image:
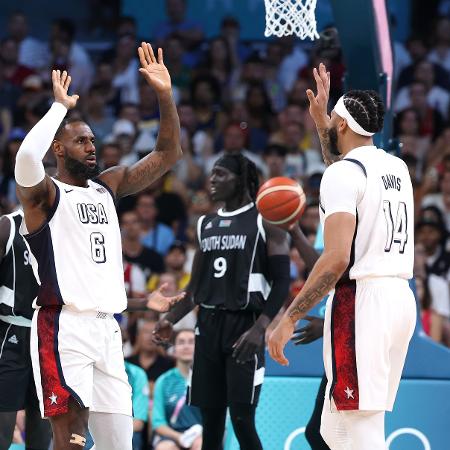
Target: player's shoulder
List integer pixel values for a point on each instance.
(344, 169)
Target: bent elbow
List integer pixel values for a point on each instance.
(341, 263)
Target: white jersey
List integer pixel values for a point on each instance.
(375, 187)
(78, 251)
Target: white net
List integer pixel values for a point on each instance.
(286, 17)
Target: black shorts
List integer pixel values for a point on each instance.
(217, 379)
(16, 374)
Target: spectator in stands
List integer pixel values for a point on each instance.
(437, 97)
(175, 262)
(110, 155)
(31, 51)
(440, 53)
(441, 199)
(230, 29)
(12, 70)
(155, 235)
(125, 69)
(79, 64)
(177, 425)
(97, 115)
(190, 32)
(146, 258)
(275, 160)
(234, 141)
(174, 60)
(148, 355)
(140, 400)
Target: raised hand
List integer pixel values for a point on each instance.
(159, 302)
(61, 83)
(318, 103)
(153, 69)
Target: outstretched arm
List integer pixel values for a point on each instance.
(304, 247)
(129, 180)
(338, 236)
(164, 328)
(35, 189)
(278, 253)
(318, 109)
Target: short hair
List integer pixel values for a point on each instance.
(64, 123)
(367, 108)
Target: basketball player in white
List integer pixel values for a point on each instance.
(366, 207)
(72, 229)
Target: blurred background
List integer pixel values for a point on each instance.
(235, 91)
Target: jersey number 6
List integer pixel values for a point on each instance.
(98, 247)
(396, 232)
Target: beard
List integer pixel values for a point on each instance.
(79, 170)
(332, 136)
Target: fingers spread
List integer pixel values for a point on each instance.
(142, 58)
(67, 82)
(160, 56)
(150, 51)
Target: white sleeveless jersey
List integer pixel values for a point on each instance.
(376, 187)
(79, 252)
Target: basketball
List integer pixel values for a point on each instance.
(281, 201)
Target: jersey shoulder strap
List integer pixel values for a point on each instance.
(12, 233)
(358, 163)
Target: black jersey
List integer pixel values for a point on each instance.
(234, 263)
(18, 286)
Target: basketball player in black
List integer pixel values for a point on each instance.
(240, 279)
(18, 289)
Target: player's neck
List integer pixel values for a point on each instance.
(346, 146)
(66, 177)
(234, 204)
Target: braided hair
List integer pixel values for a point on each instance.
(367, 108)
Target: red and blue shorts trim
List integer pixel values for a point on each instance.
(55, 392)
(344, 387)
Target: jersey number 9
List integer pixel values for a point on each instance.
(220, 267)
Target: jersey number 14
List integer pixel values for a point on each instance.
(397, 232)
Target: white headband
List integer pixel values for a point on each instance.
(342, 111)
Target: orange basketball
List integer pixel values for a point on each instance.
(281, 201)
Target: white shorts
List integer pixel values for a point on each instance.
(368, 326)
(78, 355)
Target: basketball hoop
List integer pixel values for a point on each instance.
(286, 17)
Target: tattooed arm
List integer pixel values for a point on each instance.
(339, 230)
(129, 180)
(318, 109)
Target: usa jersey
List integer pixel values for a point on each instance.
(233, 267)
(79, 252)
(18, 286)
(376, 187)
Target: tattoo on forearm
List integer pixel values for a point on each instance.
(325, 144)
(308, 299)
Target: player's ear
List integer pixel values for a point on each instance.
(342, 126)
(58, 148)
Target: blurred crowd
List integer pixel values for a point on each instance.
(232, 96)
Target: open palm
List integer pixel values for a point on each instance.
(61, 83)
(153, 69)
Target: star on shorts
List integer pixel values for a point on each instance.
(53, 399)
(349, 392)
